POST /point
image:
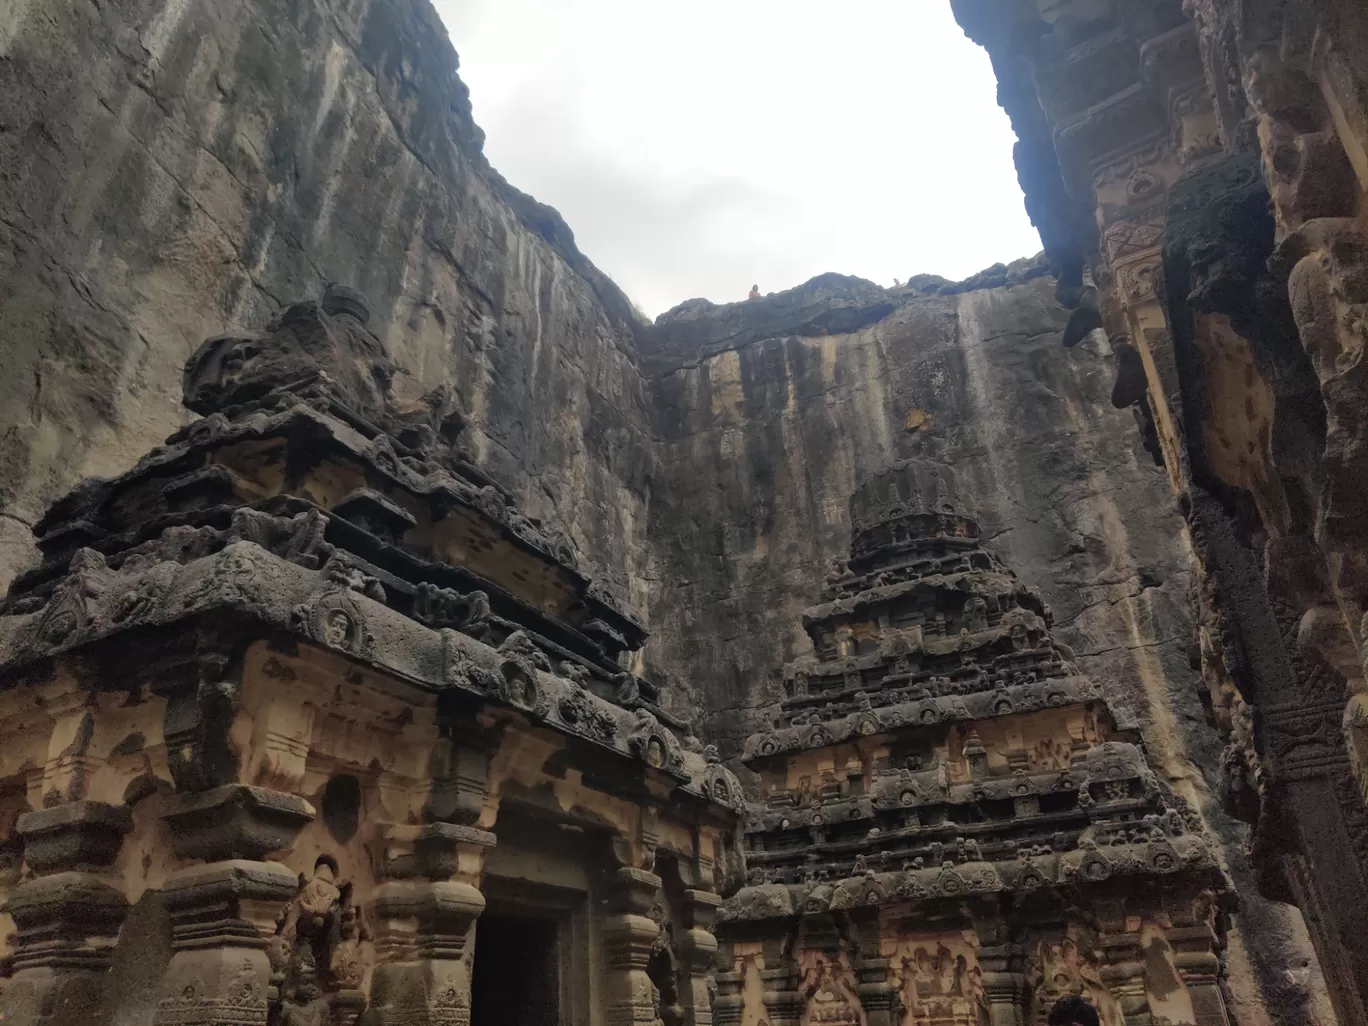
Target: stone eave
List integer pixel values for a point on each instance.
(969, 582)
(95, 604)
(1187, 859)
(1008, 701)
(437, 488)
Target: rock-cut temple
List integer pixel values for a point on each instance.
(307, 725)
(950, 826)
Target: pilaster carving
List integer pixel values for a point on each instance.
(224, 912)
(1199, 967)
(629, 934)
(423, 917)
(1000, 961)
(1124, 974)
(697, 950)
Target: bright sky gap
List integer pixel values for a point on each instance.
(699, 148)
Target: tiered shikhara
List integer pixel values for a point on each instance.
(953, 828)
(303, 691)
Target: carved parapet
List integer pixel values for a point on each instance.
(68, 915)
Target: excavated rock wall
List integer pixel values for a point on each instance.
(761, 444)
(174, 169)
(766, 427)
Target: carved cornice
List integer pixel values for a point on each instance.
(1189, 859)
(984, 705)
(96, 605)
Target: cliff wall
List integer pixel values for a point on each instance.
(174, 169)
(763, 438)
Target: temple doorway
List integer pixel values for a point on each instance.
(515, 978)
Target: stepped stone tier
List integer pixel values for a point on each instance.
(305, 723)
(952, 827)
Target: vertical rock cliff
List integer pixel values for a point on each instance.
(769, 412)
(172, 169)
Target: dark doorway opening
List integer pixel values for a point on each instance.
(515, 979)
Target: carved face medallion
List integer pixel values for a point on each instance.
(338, 628)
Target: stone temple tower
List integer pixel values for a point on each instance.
(952, 829)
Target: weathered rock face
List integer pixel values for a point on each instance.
(170, 171)
(762, 443)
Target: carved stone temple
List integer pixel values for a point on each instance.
(955, 830)
(304, 724)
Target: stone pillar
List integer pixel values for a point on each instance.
(730, 1005)
(1002, 963)
(423, 916)
(628, 935)
(697, 950)
(1200, 967)
(224, 912)
(1124, 975)
(783, 991)
(1004, 986)
(877, 995)
(68, 914)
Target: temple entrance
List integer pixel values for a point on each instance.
(515, 978)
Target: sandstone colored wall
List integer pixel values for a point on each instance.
(763, 437)
(174, 169)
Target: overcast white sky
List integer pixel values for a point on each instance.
(699, 147)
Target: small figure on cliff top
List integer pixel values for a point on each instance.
(754, 292)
